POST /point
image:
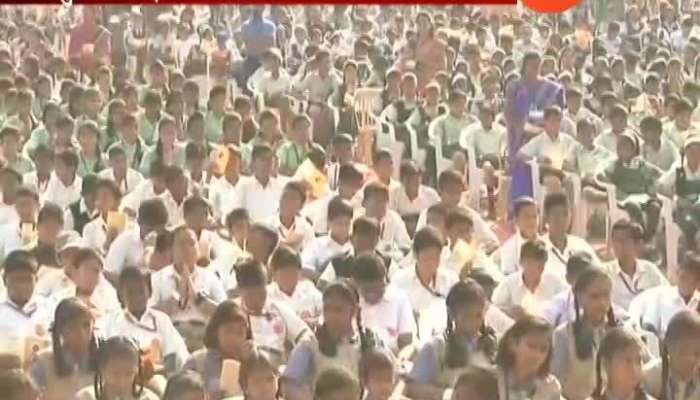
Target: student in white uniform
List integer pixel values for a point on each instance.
(385, 309)
(620, 356)
(11, 236)
(64, 185)
(674, 375)
(185, 385)
(560, 309)
(260, 193)
(223, 189)
(529, 290)
(289, 287)
(630, 274)
(10, 180)
(321, 250)
(393, 236)
(427, 281)
(475, 383)
(230, 252)
(196, 214)
(412, 196)
(466, 342)
(527, 225)
(149, 328)
(276, 328)
(97, 234)
(23, 313)
(460, 227)
(119, 172)
(654, 308)
(293, 229)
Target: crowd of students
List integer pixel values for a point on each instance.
(199, 202)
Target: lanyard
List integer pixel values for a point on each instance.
(630, 288)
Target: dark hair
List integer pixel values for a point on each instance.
(251, 273)
(297, 187)
(285, 257)
(348, 173)
(255, 361)
(152, 212)
(67, 312)
(9, 171)
(270, 234)
(237, 215)
(408, 169)
(552, 111)
(183, 382)
(616, 340)
(583, 339)
(19, 260)
(376, 359)
(134, 274)
(226, 312)
(68, 158)
(578, 262)
(505, 359)
(339, 207)
(368, 267)
(555, 199)
(483, 380)
(15, 383)
(376, 188)
(462, 294)
(534, 249)
(365, 226)
(447, 177)
(50, 212)
(439, 209)
(651, 123)
(116, 346)
(521, 203)
(334, 380)
(260, 150)
(457, 217)
(87, 254)
(26, 191)
(195, 202)
(632, 228)
(685, 324)
(427, 237)
(109, 185)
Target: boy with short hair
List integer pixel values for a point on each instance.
(289, 287)
(261, 192)
(10, 180)
(119, 171)
(42, 156)
(349, 182)
(527, 226)
(10, 140)
(658, 150)
(294, 230)
(64, 186)
(320, 250)
(393, 236)
(26, 205)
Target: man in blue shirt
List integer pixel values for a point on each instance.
(258, 35)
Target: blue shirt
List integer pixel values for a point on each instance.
(258, 29)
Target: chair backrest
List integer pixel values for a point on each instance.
(363, 105)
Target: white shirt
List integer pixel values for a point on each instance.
(407, 280)
(221, 196)
(142, 192)
(306, 300)
(95, 234)
(543, 145)
(607, 140)
(512, 292)
(322, 250)
(400, 202)
(393, 236)
(153, 326)
(53, 280)
(625, 287)
(103, 299)
(204, 281)
(126, 250)
(61, 195)
(31, 179)
(509, 254)
(133, 179)
(269, 86)
(317, 211)
(68, 222)
(9, 239)
(484, 142)
(33, 319)
(483, 233)
(300, 226)
(175, 212)
(654, 308)
(556, 259)
(390, 317)
(260, 201)
(8, 214)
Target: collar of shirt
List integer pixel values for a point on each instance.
(27, 309)
(147, 320)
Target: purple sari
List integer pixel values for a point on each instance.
(526, 103)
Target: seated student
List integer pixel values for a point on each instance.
(43, 161)
(294, 230)
(117, 369)
(412, 197)
(119, 171)
(349, 183)
(177, 190)
(428, 281)
(128, 247)
(79, 213)
(476, 383)
(185, 385)
(561, 245)
(530, 289)
(681, 126)
(618, 125)
(276, 328)
(64, 186)
(12, 236)
(15, 384)
(485, 137)
(227, 337)
(620, 356)
(223, 188)
(293, 151)
(451, 188)
(654, 308)
(90, 160)
(289, 287)
(85, 278)
(447, 129)
(460, 227)
(149, 189)
(130, 141)
(335, 384)
(560, 308)
(384, 308)
(321, 250)
(658, 150)
(10, 181)
(262, 241)
(682, 181)
(383, 170)
(9, 140)
(630, 274)
(260, 193)
(467, 340)
(674, 376)
(195, 214)
(393, 236)
(343, 153)
(259, 378)
(635, 182)
(230, 252)
(43, 246)
(98, 234)
(69, 365)
(378, 375)
(436, 216)
(23, 312)
(149, 328)
(523, 374)
(573, 360)
(195, 168)
(527, 225)
(186, 292)
(339, 342)
(585, 155)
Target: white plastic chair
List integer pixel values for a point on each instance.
(441, 163)
(615, 213)
(476, 178)
(673, 235)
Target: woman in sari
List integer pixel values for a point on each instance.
(526, 99)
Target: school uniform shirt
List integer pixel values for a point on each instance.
(227, 253)
(508, 254)
(404, 206)
(95, 234)
(132, 179)
(10, 239)
(654, 308)
(88, 393)
(126, 250)
(607, 140)
(221, 196)
(73, 222)
(483, 233)
(577, 376)
(260, 201)
(485, 142)
(663, 158)
(101, 302)
(153, 326)
(513, 292)
(393, 236)
(142, 192)
(391, 317)
(544, 146)
(22, 164)
(8, 214)
(585, 162)
(541, 388)
(678, 135)
(319, 88)
(625, 288)
(52, 281)
(300, 226)
(277, 329)
(557, 259)
(60, 194)
(150, 155)
(420, 294)
(448, 129)
(270, 86)
(676, 390)
(204, 281)
(54, 387)
(316, 211)
(175, 213)
(321, 250)
(306, 300)
(32, 319)
(31, 179)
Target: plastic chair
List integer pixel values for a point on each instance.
(441, 163)
(673, 235)
(363, 103)
(615, 213)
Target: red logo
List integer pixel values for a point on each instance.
(550, 6)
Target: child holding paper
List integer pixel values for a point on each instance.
(101, 231)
